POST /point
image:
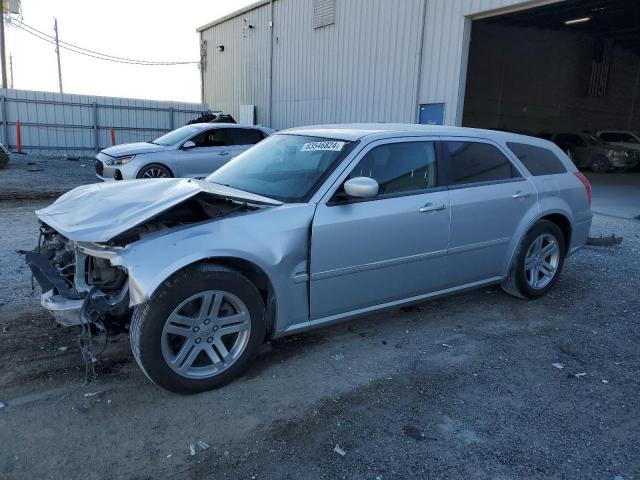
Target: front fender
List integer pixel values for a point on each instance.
(274, 239)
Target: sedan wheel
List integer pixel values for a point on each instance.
(154, 171)
(206, 334)
(541, 262)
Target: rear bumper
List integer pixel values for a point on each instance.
(579, 235)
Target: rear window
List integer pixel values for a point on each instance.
(475, 162)
(538, 160)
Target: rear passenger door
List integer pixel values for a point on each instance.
(489, 197)
(543, 165)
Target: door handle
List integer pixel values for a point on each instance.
(432, 207)
(521, 194)
(223, 153)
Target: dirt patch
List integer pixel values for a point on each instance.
(463, 387)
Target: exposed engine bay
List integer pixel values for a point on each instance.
(80, 274)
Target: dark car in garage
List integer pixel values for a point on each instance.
(588, 151)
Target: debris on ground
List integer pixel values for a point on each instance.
(202, 444)
(578, 375)
(169, 456)
(2, 404)
(63, 349)
(559, 366)
(92, 394)
(446, 345)
(604, 241)
(605, 381)
(338, 356)
(413, 432)
(192, 449)
(339, 451)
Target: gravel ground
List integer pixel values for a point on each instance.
(34, 176)
(463, 387)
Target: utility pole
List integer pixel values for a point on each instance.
(3, 57)
(55, 27)
(11, 71)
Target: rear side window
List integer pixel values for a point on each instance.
(244, 136)
(399, 167)
(538, 160)
(475, 162)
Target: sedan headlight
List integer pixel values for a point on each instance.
(617, 154)
(120, 160)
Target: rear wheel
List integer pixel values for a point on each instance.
(537, 263)
(200, 330)
(154, 171)
(601, 164)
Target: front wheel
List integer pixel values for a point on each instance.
(537, 263)
(200, 330)
(154, 171)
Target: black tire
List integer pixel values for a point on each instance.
(149, 320)
(516, 283)
(144, 171)
(601, 164)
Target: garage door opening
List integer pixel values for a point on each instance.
(568, 72)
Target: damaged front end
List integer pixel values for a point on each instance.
(86, 232)
(79, 284)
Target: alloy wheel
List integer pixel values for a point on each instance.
(206, 334)
(154, 173)
(542, 260)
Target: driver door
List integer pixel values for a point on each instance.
(210, 153)
(367, 252)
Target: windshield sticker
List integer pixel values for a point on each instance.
(317, 146)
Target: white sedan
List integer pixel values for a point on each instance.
(192, 151)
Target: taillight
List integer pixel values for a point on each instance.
(585, 183)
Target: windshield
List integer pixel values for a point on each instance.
(284, 167)
(177, 136)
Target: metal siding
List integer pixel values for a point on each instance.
(56, 124)
(240, 74)
(360, 69)
(363, 68)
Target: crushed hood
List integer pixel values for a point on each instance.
(99, 212)
(133, 149)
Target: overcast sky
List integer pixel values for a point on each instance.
(159, 30)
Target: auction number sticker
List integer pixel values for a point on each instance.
(318, 146)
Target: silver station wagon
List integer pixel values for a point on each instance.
(309, 227)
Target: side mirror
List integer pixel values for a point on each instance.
(188, 144)
(361, 187)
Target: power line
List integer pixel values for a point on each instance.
(89, 53)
